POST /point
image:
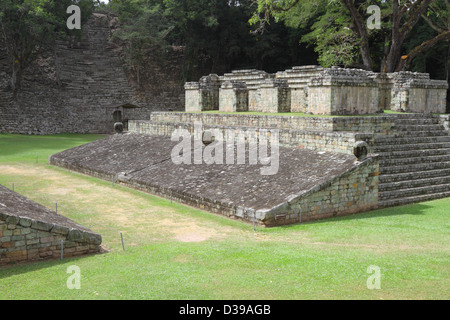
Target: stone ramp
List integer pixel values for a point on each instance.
(237, 191)
(32, 232)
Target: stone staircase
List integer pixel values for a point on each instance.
(414, 161)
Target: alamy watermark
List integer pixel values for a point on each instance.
(374, 281)
(74, 21)
(74, 281)
(228, 147)
(374, 21)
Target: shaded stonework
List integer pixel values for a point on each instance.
(413, 149)
(237, 191)
(72, 88)
(30, 232)
(331, 91)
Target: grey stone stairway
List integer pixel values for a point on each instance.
(414, 161)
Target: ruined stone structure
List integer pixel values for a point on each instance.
(30, 232)
(375, 162)
(321, 91)
(81, 87)
(330, 183)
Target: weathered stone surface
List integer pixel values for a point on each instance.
(327, 91)
(77, 86)
(236, 191)
(29, 231)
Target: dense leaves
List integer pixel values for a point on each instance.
(214, 34)
(217, 36)
(340, 26)
(30, 27)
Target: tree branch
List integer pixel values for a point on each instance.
(421, 48)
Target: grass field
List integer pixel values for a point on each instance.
(177, 252)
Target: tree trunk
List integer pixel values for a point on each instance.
(421, 48)
(16, 77)
(399, 33)
(359, 27)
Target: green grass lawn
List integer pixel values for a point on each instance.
(177, 252)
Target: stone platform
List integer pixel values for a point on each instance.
(309, 184)
(413, 149)
(31, 232)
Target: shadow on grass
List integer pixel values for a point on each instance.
(20, 145)
(411, 209)
(10, 270)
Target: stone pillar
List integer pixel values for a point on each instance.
(193, 100)
(275, 96)
(297, 79)
(203, 95)
(253, 79)
(233, 97)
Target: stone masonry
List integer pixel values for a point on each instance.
(322, 184)
(413, 149)
(30, 232)
(331, 91)
(74, 87)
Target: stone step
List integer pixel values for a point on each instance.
(385, 148)
(417, 134)
(419, 127)
(392, 140)
(414, 160)
(413, 153)
(410, 122)
(414, 168)
(414, 116)
(408, 176)
(416, 183)
(412, 192)
(415, 199)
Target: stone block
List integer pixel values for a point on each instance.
(233, 97)
(275, 96)
(25, 222)
(42, 226)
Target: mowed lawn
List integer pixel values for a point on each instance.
(177, 252)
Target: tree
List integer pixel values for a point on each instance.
(400, 17)
(29, 28)
(144, 27)
(438, 18)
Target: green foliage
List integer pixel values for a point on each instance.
(338, 45)
(30, 27)
(340, 36)
(214, 34)
(328, 24)
(144, 28)
(326, 259)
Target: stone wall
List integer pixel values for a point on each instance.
(72, 88)
(275, 96)
(298, 79)
(352, 192)
(342, 142)
(338, 91)
(368, 124)
(203, 95)
(444, 120)
(30, 232)
(334, 134)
